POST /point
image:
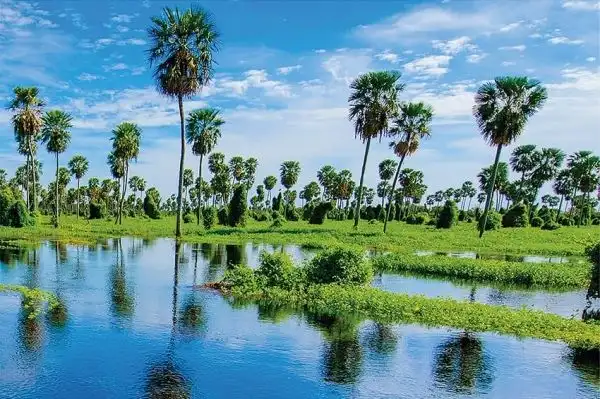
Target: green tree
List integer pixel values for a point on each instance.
(563, 185)
(27, 124)
(188, 180)
(56, 136)
(523, 161)
(236, 167)
(289, 173)
(125, 139)
(269, 182)
(386, 171)
(547, 165)
(372, 102)
(327, 177)
(134, 181)
(584, 167)
(250, 166)
(311, 191)
(502, 109)
(412, 125)
(182, 47)
(78, 166)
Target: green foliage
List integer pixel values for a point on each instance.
(593, 253)
(320, 212)
(523, 273)
(537, 221)
(550, 226)
(209, 216)
(18, 215)
(34, 300)
(340, 265)
(494, 221)
(238, 207)
(307, 210)
(261, 216)
(462, 215)
(188, 218)
(596, 221)
(516, 216)
(152, 203)
(277, 270)
(278, 220)
(292, 214)
(223, 216)
(6, 200)
(448, 216)
(565, 220)
(97, 210)
(548, 215)
(419, 218)
(241, 277)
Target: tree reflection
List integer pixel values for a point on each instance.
(121, 296)
(342, 353)
(587, 363)
(31, 329)
(193, 315)
(236, 255)
(382, 339)
(272, 312)
(164, 379)
(462, 366)
(592, 297)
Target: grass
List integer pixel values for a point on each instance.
(386, 307)
(401, 237)
(535, 275)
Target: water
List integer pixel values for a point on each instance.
(506, 257)
(137, 327)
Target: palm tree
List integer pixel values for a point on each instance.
(270, 182)
(203, 132)
(289, 173)
(56, 136)
(182, 47)
(373, 102)
(126, 146)
(27, 123)
(78, 166)
(583, 166)
(141, 186)
(522, 161)
(502, 109)
(188, 180)
(412, 125)
(250, 166)
(386, 171)
(133, 184)
(547, 165)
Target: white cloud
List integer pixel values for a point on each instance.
(122, 18)
(287, 69)
(138, 70)
(535, 36)
(346, 66)
(510, 27)
(320, 51)
(88, 77)
(582, 5)
(508, 63)
(388, 56)
(116, 67)
(476, 58)
(433, 65)
(77, 20)
(520, 47)
(134, 42)
(454, 46)
(590, 59)
(564, 40)
(122, 29)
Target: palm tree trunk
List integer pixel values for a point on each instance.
(488, 201)
(122, 200)
(469, 207)
(199, 189)
(560, 205)
(360, 185)
(383, 199)
(181, 161)
(33, 173)
(77, 198)
(56, 193)
(389, 207)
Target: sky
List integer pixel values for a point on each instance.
(283, 75)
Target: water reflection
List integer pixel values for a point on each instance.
(587, 364)
(30, 329)
(382, 339)
(121, 293)
(462, 366)
(505, 257)
(592, 297)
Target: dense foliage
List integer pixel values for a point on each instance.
(448, 216)
(340, 265)
(319, 212)
(238, 207)
(516, 216)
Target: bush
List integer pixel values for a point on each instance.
(97, 210)
(188, 218)
(565, 220)
(319, 213)
(350, 215)
(448, 216)
(292, 214)
(6, 200)
(242, 278)
(516, 216)
(223, 216)
(151, 208)
(494, 221)
(419, 218)
(208, 217)
(261, 216)
(548, 215)
(238, 207)
(373, 221)
(308, 210)
(593, 253)
(277, 270)
(550, 226)
(18, 215)
(596, 222)
(462, 215)
(279, 221)
(339, 265)
(537, 222)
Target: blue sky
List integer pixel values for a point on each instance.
(283, 74)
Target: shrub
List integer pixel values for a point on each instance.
(151, 208)
(548, 215)
(319, 213)
(307, 210)
(593, 253)
(340, 265)
(550, 226)
(242, 278)
(537, 222)
(373, 221)
(448, 216)
(277, 270)
(188, 218)
(261, 216)
(97, 210)
(516, 216)
(462, 215)
(279, 221)
(208, 217)
(565, 220)
(238, 207)
(18, 215)
(350, 215)
(494, 221)
(292, 214)
(278, 203)
(596, 222)
(223, 216)
(6, 200)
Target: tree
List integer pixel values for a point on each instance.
(584, 167)
(372, 102)
(386, 171)
(203, 132)
(412, 125)
(500, 182)
(311, 191)
(468, 191)
(78, 166)
(269, 182)
(502, 109)
(134, 181)
(56, 136)
(188, 180)
(182, 47)
(126, 138)
(563, 185)
(523, 161)
(27, 123)
(250, 166)
(547, 164)
(236, 167)
(288, 174)
(326, 177)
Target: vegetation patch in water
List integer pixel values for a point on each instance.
(522, 273)
(34, 300)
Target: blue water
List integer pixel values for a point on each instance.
(137, 327)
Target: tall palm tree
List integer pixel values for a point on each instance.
(289, 173)
(502, 109)
(182, 47)
(78, 166)
(584, 166)
(203, 132)
(126, 146)
(412, 125)
(522, 160)
(27, 124)
(56, 136)
(386, 171)
(373, 101)
(270, 182)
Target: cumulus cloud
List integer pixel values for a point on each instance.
(433, 65)
(288, 69)
(582, 5)
(388, 56)
(564, 40)
(454, 46)
(520, 47)
(88, 77)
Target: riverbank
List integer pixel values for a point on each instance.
(401, 237)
